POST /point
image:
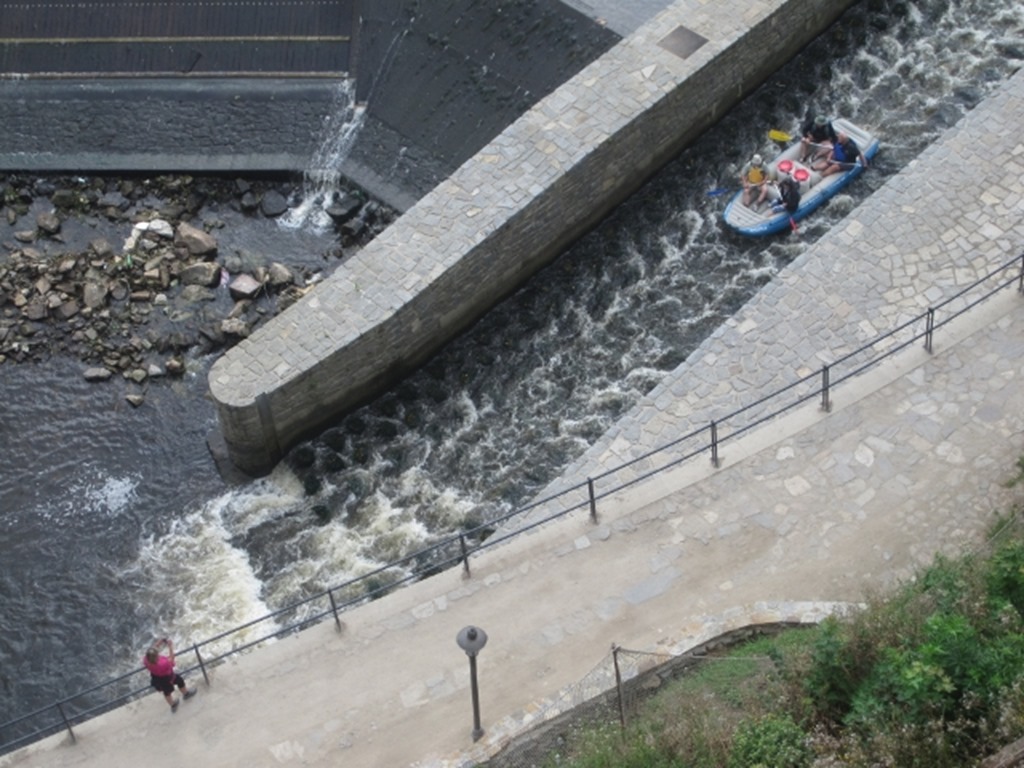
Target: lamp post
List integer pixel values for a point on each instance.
(472, 640)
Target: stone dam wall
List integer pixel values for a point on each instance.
(500, 217)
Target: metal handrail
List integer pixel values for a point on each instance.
(455, 550)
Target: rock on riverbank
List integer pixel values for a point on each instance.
(130, 276)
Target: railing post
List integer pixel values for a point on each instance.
(618, 686)
(928, 330)
(67, 723)
(593, 501)
(826, 399)
(465, 556)
(334, 609)
(714, 445)
(1020, 278)
(202, 666)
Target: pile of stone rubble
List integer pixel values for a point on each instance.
(139, 308)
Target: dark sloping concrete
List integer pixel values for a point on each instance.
(162, 124)
(620, 17)
(166, 36)
(439, 80)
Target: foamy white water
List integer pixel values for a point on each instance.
(195, 581)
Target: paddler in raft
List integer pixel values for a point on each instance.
(756, 176)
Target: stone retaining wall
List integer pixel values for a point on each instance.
(502, 216)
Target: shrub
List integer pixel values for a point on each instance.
(608, 748)
(948, 583)
(953, 672)
(773, 742)
(832, 680)
(903, 686)
(1006, 575)
(1019, 478)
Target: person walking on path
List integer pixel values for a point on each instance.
(162, 675)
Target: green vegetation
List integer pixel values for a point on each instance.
(1019, 478)
(931, 676)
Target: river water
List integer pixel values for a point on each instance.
(115, 525)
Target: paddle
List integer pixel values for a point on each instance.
(781, 136)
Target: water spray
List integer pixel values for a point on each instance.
(321, 181)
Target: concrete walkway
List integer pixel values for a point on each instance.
(805, 513)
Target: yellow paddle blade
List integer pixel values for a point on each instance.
(775, 135)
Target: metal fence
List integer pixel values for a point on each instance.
(457, 550)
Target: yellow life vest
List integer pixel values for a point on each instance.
(755, 175)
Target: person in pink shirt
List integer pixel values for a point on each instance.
(162, 675)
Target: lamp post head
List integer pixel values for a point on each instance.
(471, 639)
